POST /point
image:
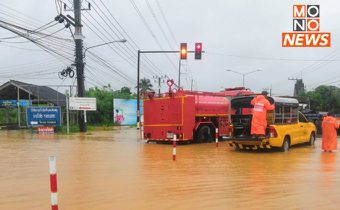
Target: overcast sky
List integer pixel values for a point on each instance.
(239, 35)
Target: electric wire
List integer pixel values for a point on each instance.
(23, 20)
(49, 43)
(268, 58)
(45, 36)
(20, 48)
(118, 50)
(147, 62)
(105, 40)
(131, 63)
(127, 54)
(166, 22)
(150, 31)
(112, 68)
(158, 23)
(45, 48)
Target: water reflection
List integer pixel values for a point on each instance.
(115, 170)
(328, 169)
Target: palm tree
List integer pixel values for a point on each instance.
(144, 86)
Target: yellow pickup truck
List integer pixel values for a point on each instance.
(286, 125)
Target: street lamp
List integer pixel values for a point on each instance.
(98, 45)
(82, 118)
(243, 74)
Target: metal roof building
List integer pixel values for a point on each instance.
(16, 90)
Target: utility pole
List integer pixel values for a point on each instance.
(159, 86)
(299, 86)
(268, 89)
(79, 60)
(159, 80)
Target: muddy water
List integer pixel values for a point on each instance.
(114, 170)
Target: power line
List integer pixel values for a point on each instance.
(112, 68)
(95, 31)
(129, 62)
(16, 11)
(127, 51)
(315, 66)
(131, 41)
(150, 31)
(41, 28)
(323, 82)
(119, 47)
(42, 64)
(20, 48)
(29, 32)
(35, 39)
(44, 47)
(24, 19)
(166, 22)
(268, 58)
(158, 23)
(92, 78)
(43, 40)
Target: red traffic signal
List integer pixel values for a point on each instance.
(198, 51)
(184, 51)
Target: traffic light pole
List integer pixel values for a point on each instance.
(138, 73)
(138, 95)
(179, 72)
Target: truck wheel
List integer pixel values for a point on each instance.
(312, 139)
(204, 134)
(238, 147)
(285, 145)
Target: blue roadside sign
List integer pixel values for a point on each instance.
(43, 116)
(8, 103)
(14, 103)
(25, 103)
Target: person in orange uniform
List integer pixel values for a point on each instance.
(329, 134)
(259, 120)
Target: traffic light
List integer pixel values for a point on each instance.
(184, 51)
(198, 51)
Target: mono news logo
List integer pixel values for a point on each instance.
(306, 28)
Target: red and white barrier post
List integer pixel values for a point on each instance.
(174, 148)
(53, 182)
(216, 136)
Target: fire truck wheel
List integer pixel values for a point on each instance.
(204, 134)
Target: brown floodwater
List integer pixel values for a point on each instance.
(115, 170)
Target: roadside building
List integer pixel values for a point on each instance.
(16, 96)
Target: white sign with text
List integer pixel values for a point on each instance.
(81, 103)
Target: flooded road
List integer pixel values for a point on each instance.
(115, 170)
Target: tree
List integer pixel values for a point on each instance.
(144, 86)
(124, 93)
(104, 96)
(324, 98)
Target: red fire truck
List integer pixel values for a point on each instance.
(190, 115)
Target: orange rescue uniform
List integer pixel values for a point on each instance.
(259, 120)
(329, 134)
